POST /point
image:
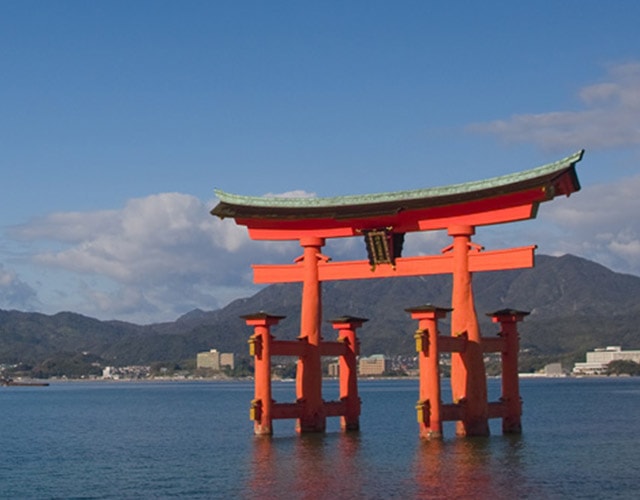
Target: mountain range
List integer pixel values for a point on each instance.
(575, 304)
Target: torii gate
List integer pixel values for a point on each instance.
(383, 219)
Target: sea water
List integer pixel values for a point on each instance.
(581, 439)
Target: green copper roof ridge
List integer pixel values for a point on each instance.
(347, 200)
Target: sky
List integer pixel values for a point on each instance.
(118, 120)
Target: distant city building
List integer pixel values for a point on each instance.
(554, 370)
(215, 360)
(376, 364)
(125, 372)
(333, 369)
(598, 360)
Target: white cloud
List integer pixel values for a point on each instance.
(169, 233)
(161, 255)
(67, 227)
(600, 223)
(610, 117)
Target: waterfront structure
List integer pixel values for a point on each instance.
(125, 372)
(598, 359)
(333, 369)
(373, 365)
(214, 360)
(382, 220)
(431, 412)
(553, 370)
(263, 345)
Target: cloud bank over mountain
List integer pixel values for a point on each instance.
(153, 259)
(162, 255)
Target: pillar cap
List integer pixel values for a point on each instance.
(312, 241)
(261, 315)
(507, 312)
(428, 308)
(461, 230)
(347, 319)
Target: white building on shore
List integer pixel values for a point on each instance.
(598, 360)
(215, 360)
(374, 365)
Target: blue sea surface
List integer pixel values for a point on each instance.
(103, 440)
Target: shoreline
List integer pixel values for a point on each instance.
(24, 382)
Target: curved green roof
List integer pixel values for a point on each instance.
(234, 205)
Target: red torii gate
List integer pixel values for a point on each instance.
(383, 219)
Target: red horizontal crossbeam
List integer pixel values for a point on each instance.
(497, 409)
(450, 411)
(333, 348)
(280, 411)
(299, 348)
(452, 344)
(335, 408)
(289, 347)
(493, 260)
(492, 344)
(286, 410)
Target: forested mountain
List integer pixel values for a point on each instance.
(576, 305)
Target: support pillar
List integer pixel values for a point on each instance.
(348, 370)
(468, 379)
(429, 406)
(510, 397)
(309, 372)
(260, 347)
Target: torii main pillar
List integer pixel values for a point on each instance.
(468, 379)
(309, 372)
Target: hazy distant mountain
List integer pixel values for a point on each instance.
(575, 305)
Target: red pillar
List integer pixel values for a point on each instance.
(346, 327)
(508, 319)
(260, 348)
(309, 374)
(430, 401)
(468, 379)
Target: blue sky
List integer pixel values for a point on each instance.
(120, 118)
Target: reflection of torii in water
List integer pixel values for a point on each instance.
(383, 219)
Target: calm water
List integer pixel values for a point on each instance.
(194, 440)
